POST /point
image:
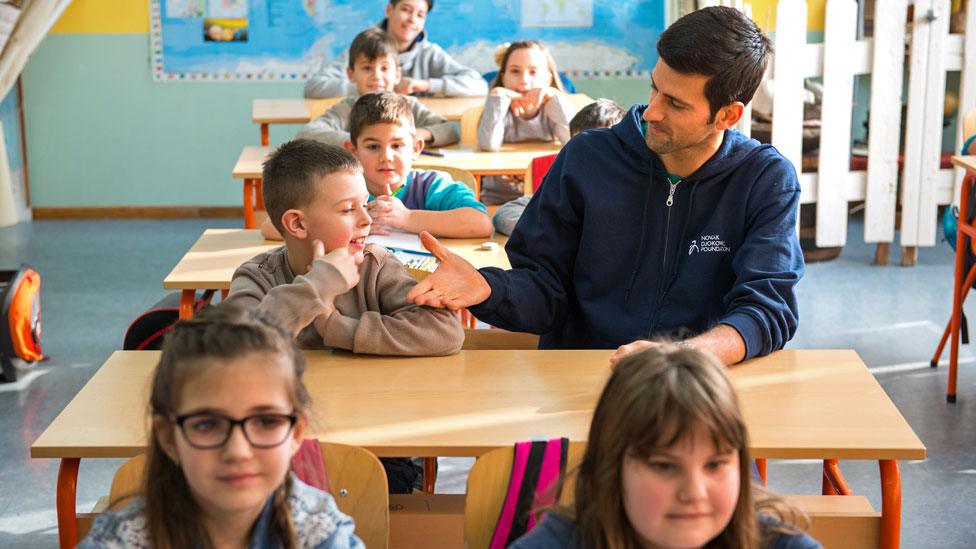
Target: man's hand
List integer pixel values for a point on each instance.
(410, 86)
(630, 349)
(455, 284)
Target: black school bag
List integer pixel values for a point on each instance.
(148, 329)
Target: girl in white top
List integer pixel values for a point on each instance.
(527, 102)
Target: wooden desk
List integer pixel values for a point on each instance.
(302, 111)
(797, 404)
(211, 261)
(511, 159)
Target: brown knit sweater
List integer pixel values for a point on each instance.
(372, 318)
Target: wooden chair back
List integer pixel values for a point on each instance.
(356, 479)
(469, 125)
(488, 484)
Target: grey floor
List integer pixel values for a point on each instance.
(97, 275)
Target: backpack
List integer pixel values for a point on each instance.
(20, 305)
(537, 466)
(146, 332)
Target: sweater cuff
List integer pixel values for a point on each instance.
(749, 330)
(436, 86)
(326, 279)
(491, 275)
(340, 331)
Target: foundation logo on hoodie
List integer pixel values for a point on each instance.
(708, 243)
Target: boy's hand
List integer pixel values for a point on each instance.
(388, 212)
(410, 86)
(346, 262)
(455, 284)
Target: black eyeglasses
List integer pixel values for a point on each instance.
(207, 430)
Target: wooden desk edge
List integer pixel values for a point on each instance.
(966, 162)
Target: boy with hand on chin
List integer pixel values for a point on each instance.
(373, 67)
(330, 288)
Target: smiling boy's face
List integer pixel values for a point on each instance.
(336, 215)
(371, 75)
(387, 152)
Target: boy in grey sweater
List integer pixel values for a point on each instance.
(326, 285)
(427, 68)
(373, 67)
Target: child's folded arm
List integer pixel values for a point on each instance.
(444, 131)
(556, 111)
(295, 305)
(455, 80)
(330, 128)
(491, 128)
(397, 327)
(330, 80)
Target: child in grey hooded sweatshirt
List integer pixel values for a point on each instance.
(427, 68)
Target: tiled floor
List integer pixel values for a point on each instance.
(97, 275)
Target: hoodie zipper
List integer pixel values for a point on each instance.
(667, 226)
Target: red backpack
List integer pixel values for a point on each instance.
(20, 305)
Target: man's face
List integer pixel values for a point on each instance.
(678, 115)
(371, 75)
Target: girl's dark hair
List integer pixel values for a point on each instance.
(653, 400)
(223, 332)
(723, 44)
(503, 52)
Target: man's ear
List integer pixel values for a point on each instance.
(166, 437)
(729, 115)
(293, 222)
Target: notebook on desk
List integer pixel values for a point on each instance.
(406, 247)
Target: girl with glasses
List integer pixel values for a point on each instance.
(229, 411)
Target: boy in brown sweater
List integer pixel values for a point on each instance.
(326, 285)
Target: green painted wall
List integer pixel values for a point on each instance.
(100, 132)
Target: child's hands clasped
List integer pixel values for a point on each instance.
(387, 212)
(526, 105)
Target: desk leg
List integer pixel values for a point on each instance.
(430, 474)
(248, 203)
(890, 504)
(259, 193)
(477, 187)
(66, 501)
(265, 139)
(761, 467)
(834, 483)
(962, 244)
(186, 303)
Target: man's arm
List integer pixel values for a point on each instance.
(723, 341)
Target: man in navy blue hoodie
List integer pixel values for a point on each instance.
(670, 224)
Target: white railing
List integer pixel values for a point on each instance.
(841, 57)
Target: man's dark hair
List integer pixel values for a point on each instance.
(371, 44)
(722, 44)
(382, 107)
(601, 113)
(430, 4)
(290, 173)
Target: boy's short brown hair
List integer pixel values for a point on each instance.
(290, 173)
(382, 107)
(601, 113)
(372, 44)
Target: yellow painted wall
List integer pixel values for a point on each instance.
(764, 13)
(104, 17)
